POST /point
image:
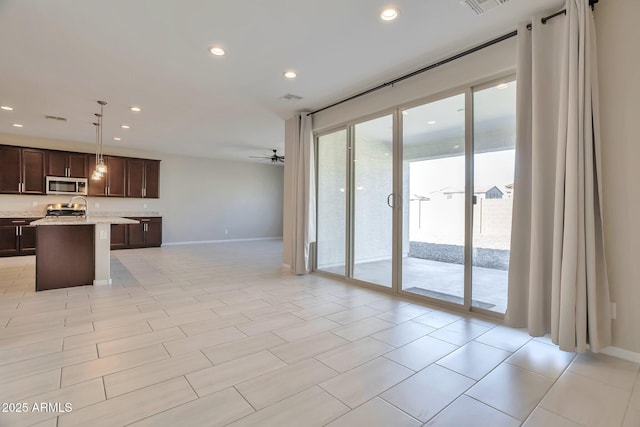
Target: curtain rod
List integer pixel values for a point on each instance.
(442, 62)
(561, 12)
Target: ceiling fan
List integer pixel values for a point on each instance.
(275, 158)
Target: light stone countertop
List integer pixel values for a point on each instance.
(90, 220)
(41, 213)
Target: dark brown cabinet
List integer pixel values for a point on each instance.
(17, 237)
(22, 170)
(118, 236)
(62, 163)
(143, 178)
(10, 166)
(146, 234)
(113, 182)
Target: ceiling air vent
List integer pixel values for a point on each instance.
(481, 6)
(291, 97)
(59, 119)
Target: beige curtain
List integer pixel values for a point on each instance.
(557, 278)
(303, 159)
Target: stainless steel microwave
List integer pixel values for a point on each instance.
(64, 185)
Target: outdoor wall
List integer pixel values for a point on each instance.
(199, 198)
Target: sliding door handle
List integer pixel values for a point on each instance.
(389, 198)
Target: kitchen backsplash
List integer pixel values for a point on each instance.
(35, 206)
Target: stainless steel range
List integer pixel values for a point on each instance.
(68, 209)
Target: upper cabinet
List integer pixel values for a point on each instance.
(22, 170)
(113, 182)
(62, 163)
(143, 178)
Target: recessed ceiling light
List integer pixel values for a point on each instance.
(389, 14)
(289, 74)
(135, 109)
(6, 108)
(125, 126)
(16, 125)
(431, 122)
(502, 86)
(116, 138)
(217, 50)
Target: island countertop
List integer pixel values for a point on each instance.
(90, 220)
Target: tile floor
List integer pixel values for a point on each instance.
(218, 335)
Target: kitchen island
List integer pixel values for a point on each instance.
(74, 251)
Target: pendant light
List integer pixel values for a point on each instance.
(97, 176)
(101, 167)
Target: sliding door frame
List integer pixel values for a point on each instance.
(398, 203)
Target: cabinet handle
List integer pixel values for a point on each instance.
(20, 230)
(17, 231)
(18, 221)
(144, 192)
(68, 170)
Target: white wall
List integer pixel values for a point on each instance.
(618, 33)
(199, 198)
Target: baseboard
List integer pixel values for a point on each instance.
(200, 242)
(621, 353)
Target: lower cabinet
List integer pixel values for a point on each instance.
(119, 236)
(146, 234)
(17, 237)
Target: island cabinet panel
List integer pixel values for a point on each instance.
(65, 256)
(143, 178)
(17, 237)
(63, 163)
(22, 170)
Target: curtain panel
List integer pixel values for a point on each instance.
(557, 277)
(303, 159)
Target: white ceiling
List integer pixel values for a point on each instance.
(59, 57)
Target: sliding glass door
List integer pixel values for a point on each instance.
(433, 162)
(372, 171)
(419, 201)
(332, 202)
(493, 158)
